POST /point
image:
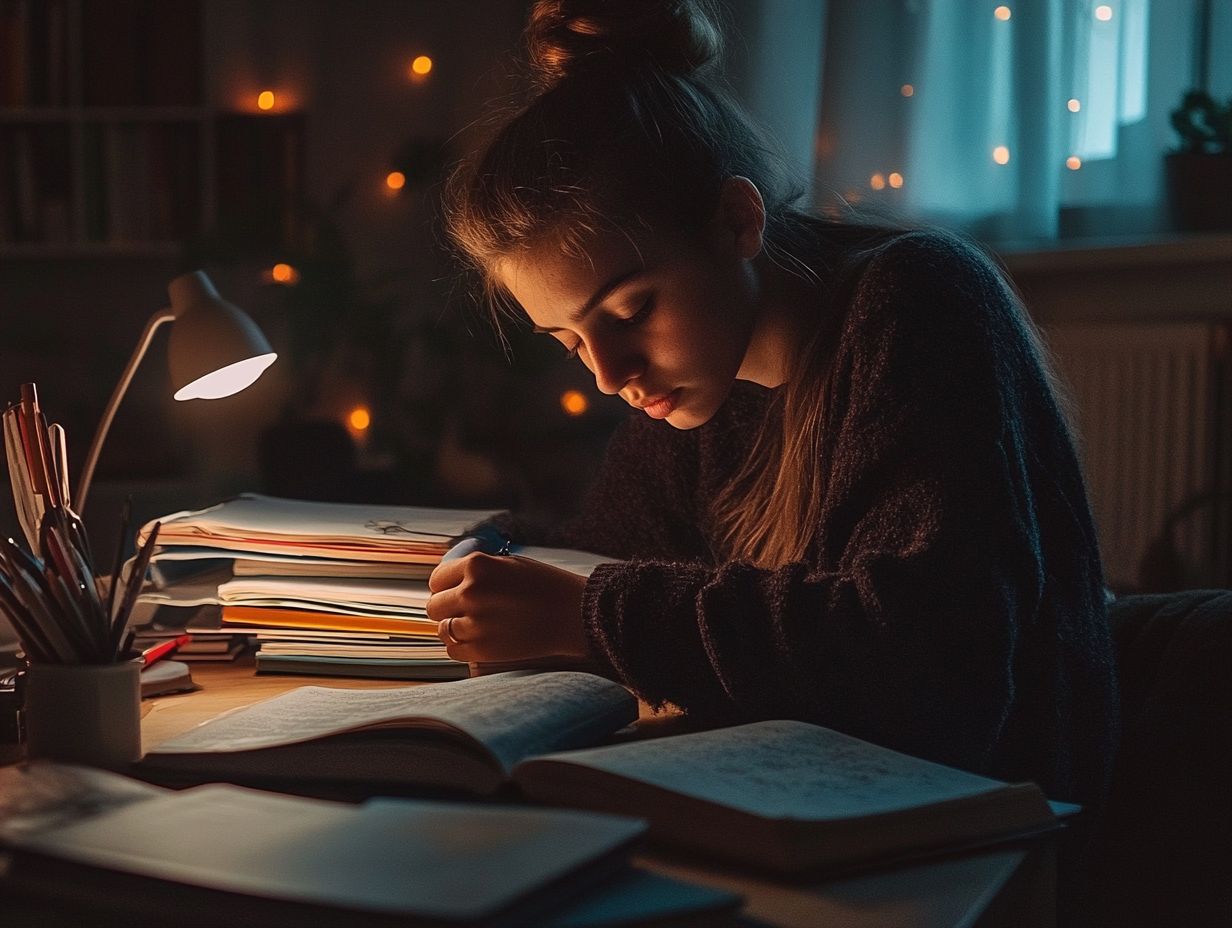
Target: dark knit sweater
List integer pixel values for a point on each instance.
(951, 601)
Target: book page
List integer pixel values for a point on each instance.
(513, 715)
(783, 769)
(581, 563)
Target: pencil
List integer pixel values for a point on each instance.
(135, 578)
(30, 589)
(27, 628)
(29, 440)
(125, 515)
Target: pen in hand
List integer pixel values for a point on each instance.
(486, 540)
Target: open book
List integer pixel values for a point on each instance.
(778, 795)
(790, 797)
(463, 736)
(228, 855)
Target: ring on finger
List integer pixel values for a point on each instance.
(448, 629)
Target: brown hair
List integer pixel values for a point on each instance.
(630, 130)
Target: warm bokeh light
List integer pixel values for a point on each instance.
(1074, 104)
(877, 182)
(896, 180)
(1073, 162)
(574, 402)
(907, 90)
(265, 100)
(1002, 13)
(395, 180)
(1001, 155)
(1103, 12)
(359, 419)
(283, 274)
(421, 65)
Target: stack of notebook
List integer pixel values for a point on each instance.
(331, 588)
(320, 588)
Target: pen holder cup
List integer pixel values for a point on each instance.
(83, 713)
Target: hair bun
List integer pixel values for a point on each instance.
(678, 36)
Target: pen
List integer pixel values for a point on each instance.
(485, 539)
(59, 454)
(155, 653)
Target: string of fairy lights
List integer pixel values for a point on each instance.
(573, 402)
(1000, 154)
(358, 419)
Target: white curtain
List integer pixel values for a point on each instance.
(1018, 121)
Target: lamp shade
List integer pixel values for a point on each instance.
(215, 349)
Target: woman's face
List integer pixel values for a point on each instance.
(663, 321)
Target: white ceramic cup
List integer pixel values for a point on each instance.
(83, 713)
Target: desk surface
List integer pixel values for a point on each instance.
(999, 887)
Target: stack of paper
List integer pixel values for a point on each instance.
(266, 525)
(322, 587)
(327, 588)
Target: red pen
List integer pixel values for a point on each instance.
(163, 649)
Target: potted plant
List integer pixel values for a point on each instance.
(1199, 173)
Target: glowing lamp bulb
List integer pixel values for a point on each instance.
(1002, 13)
(1073, 162)
(896, 180)
(1103, 13)
(265, 100)
(1074, 104)
(1001, 155)
(421, 66)
(283, 274)
(907, 90)
(877, 181)
(359, 419)
(574, 402)
(226, 380)
(395, 180)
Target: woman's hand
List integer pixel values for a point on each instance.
(495, 609)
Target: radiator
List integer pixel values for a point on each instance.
(1144, 404)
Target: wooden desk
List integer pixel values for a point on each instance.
(1004, 887)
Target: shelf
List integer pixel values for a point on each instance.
(105, 146)
(1159, 250)
(89, 249)
(128, 114)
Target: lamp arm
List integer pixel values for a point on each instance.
(96, 446)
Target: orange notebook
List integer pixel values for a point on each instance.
(332, 621)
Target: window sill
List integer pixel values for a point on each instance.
(1164, 277)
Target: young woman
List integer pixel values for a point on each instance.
(846, 494)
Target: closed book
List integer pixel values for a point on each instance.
(228, 855)
(379, 668)
(277, 617)
(165, 677)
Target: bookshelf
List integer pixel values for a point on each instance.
(105, 141)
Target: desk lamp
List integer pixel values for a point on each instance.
(215, 351)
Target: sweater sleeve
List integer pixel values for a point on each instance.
(901, 627)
